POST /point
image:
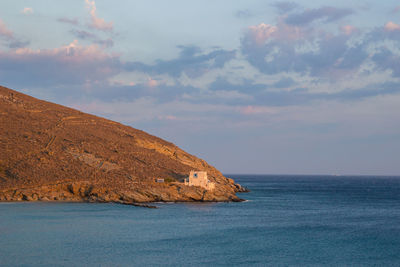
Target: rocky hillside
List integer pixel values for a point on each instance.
(51, 152)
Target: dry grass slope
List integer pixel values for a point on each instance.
(51, 152)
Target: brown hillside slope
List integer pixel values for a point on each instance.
(51, 152)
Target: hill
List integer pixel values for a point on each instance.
(53, 153)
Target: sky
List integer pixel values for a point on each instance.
(251, 86)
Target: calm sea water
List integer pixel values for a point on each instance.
(288, 220)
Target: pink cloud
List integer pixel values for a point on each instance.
(27, 10)
(168, 118)
(262, 32)
(348, 29)
(254, 110)
(72, 52)
(396, 9)
(96, 22)
(69, 64)
(391, 26)
(5, 31)
(152, 83)
(10, 40)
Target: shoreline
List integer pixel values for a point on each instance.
(135, 204)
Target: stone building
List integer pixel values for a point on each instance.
(199, 178)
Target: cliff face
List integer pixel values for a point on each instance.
(51, 152)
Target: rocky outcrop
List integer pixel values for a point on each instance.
(54, 153)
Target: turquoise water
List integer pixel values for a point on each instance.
(288, 220)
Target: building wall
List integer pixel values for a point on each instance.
(199, 178)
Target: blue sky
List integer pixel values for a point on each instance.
(305, 87)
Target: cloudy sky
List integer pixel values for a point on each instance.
(251, 86)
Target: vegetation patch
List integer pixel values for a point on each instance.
(169, 180)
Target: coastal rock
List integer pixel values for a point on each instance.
(54, 153)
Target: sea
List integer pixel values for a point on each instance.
(286, 220)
